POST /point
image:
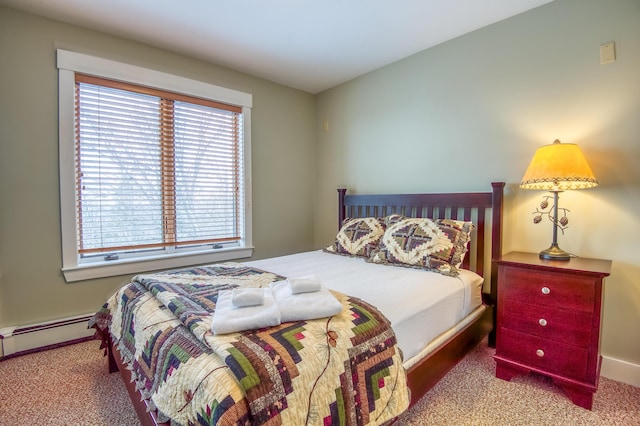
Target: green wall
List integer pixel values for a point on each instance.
(451, 118)
(474, 109)
(32, 288)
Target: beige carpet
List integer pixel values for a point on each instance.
(471, 395)
(71, 386)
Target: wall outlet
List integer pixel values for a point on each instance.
(608, 53)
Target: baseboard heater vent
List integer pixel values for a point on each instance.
(16, 341)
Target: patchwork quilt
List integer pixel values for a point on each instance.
(341, 370)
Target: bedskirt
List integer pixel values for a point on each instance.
(345, 369)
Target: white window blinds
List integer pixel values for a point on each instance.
(155, 169)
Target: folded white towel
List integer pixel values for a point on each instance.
(228, 319)
(243, 297)
(307, 284)
(304, 306)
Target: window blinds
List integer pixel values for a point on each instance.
(154, 169)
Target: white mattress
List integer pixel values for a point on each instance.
(420, 305)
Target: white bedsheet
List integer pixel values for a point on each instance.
(420, 304)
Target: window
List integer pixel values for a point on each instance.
(152, 176)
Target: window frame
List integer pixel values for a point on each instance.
(70, 63)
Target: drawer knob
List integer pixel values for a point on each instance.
(540, 353)
(546, 290)
(542, 322)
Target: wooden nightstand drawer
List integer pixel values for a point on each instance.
(550, 289)
(547, 355)
(567, 326)
(549, 320)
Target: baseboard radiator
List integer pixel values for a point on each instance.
(32, 338)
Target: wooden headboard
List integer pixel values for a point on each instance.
(484, 209)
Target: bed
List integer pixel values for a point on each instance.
(418, 360)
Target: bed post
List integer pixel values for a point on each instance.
(113, 365)
(496, 249)
(496, 220)
(341, 208)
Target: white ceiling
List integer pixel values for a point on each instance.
(310, 45)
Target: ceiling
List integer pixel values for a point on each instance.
(311, 45)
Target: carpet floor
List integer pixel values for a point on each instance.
(71, 386)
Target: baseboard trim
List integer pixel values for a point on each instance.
(32, 338)
(620, 371)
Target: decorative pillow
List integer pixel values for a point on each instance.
(439, 245)
(358, 237)
(393, 218)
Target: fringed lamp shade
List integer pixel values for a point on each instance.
(558, 167)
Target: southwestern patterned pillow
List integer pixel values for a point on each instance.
(439, 245)
(358, 237)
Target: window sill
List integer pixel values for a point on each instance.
(135, 266)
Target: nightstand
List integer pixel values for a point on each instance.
(549, 321)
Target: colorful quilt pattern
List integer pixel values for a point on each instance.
(341, 370)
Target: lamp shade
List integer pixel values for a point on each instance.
(558, 167)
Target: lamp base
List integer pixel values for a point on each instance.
(554, 253)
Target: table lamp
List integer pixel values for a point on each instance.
(557, 167)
